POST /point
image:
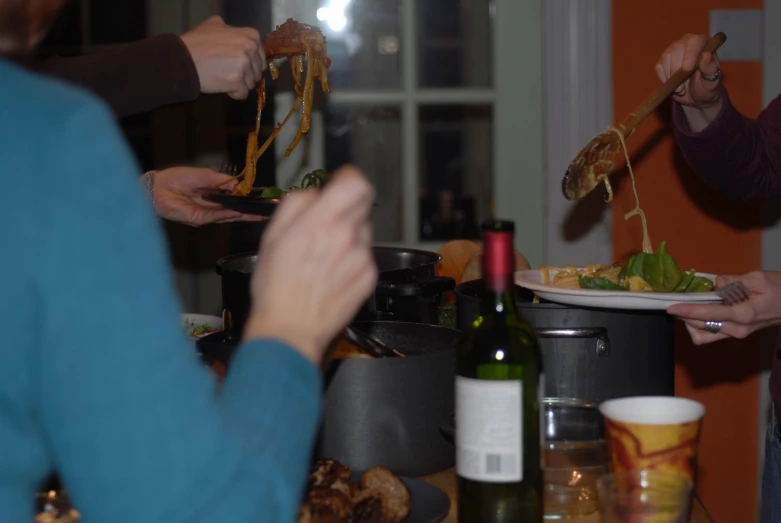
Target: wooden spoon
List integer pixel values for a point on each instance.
(595, 161)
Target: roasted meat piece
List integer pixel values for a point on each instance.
(381, 483)
(322, 499)
(369, 510)
(329, 473)
(380, 497)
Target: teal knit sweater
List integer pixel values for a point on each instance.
(97, 380)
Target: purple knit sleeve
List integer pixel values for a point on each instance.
(736, 155)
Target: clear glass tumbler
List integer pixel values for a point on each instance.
(645, 496)
(574, 457)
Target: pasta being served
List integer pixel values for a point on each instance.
(647, 271)
(294, 41)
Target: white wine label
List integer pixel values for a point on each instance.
(489, 430)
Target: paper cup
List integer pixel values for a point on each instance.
(653, 433)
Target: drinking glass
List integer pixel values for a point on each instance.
(645, 496)
(653, 433)
(574, 456)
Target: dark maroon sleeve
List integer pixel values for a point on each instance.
(738, 156)
(133, 78)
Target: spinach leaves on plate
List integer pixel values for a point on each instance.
(310, 180)
(657, 269)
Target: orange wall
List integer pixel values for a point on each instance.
(703, 230)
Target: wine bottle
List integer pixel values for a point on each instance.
(498, 382)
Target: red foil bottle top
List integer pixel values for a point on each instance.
(498, 260)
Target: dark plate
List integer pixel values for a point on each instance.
(250, 204)
(429, 504)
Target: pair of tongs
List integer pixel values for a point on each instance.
(370, 344)
(595, 161)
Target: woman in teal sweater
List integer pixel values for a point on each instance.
(97, 380)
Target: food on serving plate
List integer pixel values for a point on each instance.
(646, 271)
(331, 497)
(294, 41)
(192, 328)
(310, 180)
(642, 272)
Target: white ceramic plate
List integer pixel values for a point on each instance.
(204, 322)
(532, 280)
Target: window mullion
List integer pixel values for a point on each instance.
(519, 171)
(410, 134)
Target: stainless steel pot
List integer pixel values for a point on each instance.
(387, 412)
(595, 354)
(408, 288)
(384, 412)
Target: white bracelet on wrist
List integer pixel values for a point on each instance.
(149, 184)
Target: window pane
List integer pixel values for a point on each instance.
(454, 37)
(365, 53)
(118, 21)
(370, 137)
(456, 178)
(143, 148)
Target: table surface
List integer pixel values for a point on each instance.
(446, 480)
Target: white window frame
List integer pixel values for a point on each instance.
(516, 99)
(578, 79)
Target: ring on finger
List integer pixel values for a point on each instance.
(714, 77)
(712, 326)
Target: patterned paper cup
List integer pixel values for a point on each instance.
(653, 433)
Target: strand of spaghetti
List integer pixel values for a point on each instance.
(272, 67)
(261, 102)
(306, 110)
(268, 141)
(276, 131)
(244, 188)
(637, 211)
(295, 68)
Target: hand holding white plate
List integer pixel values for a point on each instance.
(609, 299)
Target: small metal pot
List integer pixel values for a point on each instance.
(408, 288)
(385, 411)
(594, 354)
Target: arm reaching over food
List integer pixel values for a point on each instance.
(137, 77)
(737, 155)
